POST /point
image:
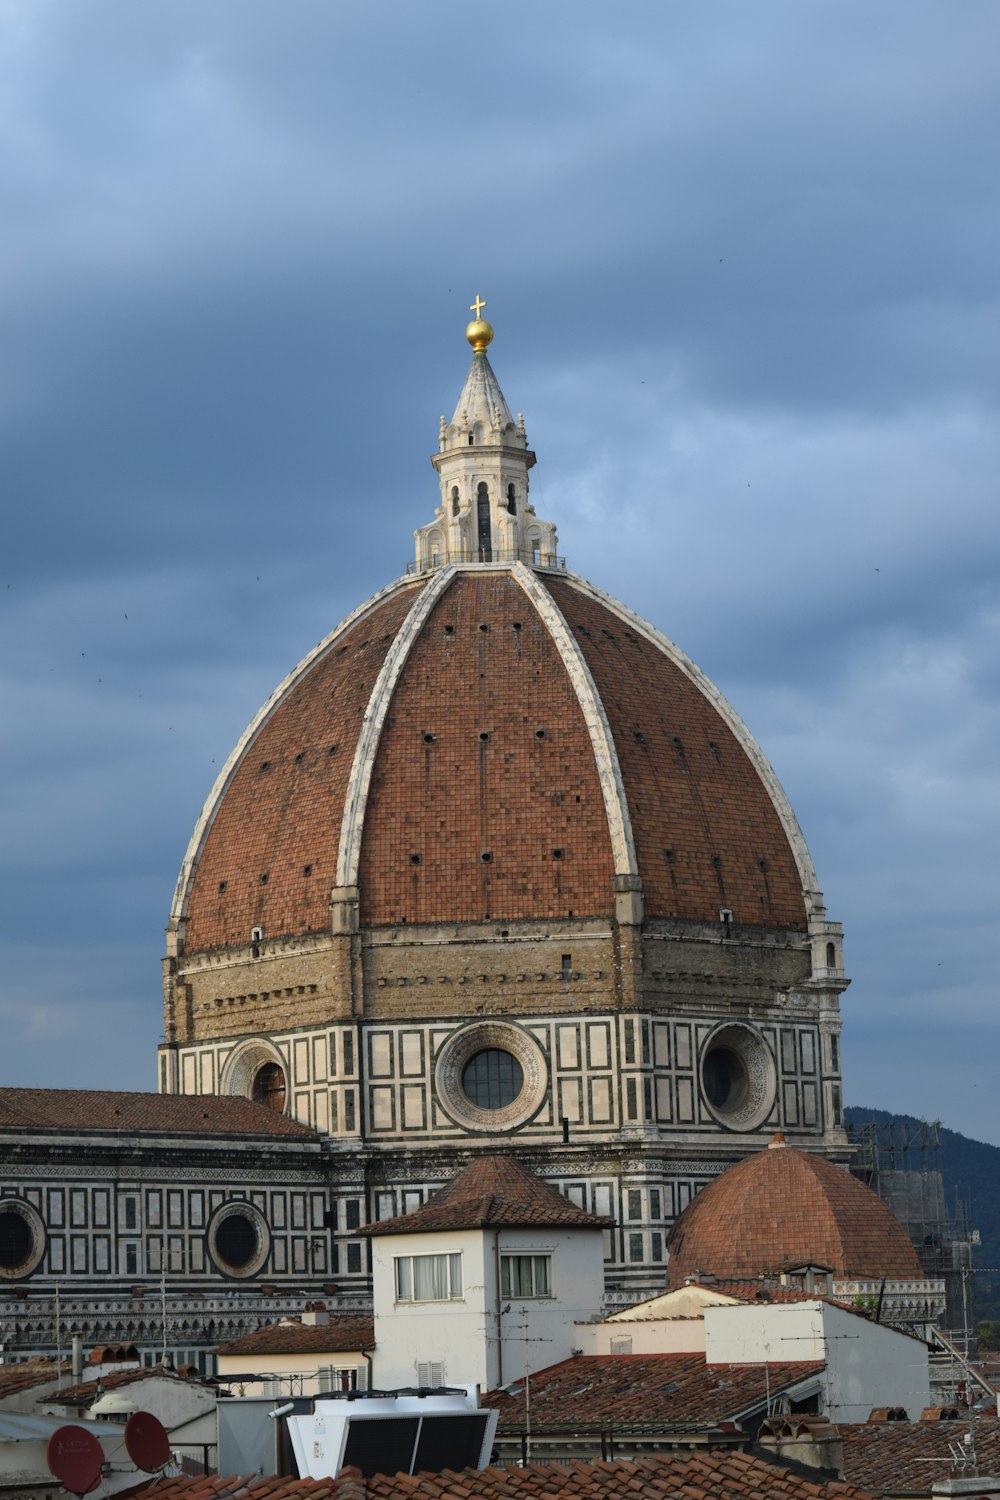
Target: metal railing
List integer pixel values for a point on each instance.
(531, 557)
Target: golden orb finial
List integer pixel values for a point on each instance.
(479, 332)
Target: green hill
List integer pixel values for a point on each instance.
(971, 1173)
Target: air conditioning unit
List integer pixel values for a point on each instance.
(392, 1434)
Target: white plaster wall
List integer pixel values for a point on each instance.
(868, 1364)
(458, 1334)
(463, 1335)
(649, 1336)
(541, 1331)
(173, 1402)
(299, 1373)
(747, 1334)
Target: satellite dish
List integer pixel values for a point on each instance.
(75, 1458)
(146, 1442)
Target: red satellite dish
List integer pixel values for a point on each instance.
(146, 1441)
(75, 1457)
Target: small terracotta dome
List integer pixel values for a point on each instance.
(781, 1208)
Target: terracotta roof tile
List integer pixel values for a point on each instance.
(174, 1114)
(672, 1391)
(345, 1331)
(784, 1207)
(491, 1190)
(692, 786)
(680, 1476)
(26, 1374)
(890, 1457)
(85, 1393)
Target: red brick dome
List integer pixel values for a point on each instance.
(781, 1208)
(491, 742)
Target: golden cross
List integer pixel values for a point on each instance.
(478, 305)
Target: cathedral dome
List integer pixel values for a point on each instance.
(492, 738)
(782, 1208)
(498, 859)
(492, 742)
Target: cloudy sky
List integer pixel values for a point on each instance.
(743, 261)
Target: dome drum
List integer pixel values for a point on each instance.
(22, 1239)
(738, 1076)
(506, 1089)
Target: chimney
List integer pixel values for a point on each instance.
(315, 1315)
(812, 1441)
(78, 1357)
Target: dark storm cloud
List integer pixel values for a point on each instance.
(743, 266)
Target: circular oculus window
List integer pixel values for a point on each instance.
(256, 1070)
(239, 1239)
(22, 1239)
(738, 1079)
(491, 1076)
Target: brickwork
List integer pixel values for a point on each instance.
(782, 1207)
(707, 833)
(487, 969)
(485, 753)
(280, 817)
(300, 982)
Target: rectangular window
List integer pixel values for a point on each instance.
(657, 1244)
(634, 1203)
(130, 1214)
(349, 1111)
(647, 1097)
(834, 1054)
(352, 1213)
(348, 1054)
(526, 1275)
(655, 1210)
(645, 1043)
(635, 1249)
(430, 1373)
(354, 1259)
(428, 1278)
(631, 1102)
(131, 1260)
(837, 1111)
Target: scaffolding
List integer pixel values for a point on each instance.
(900, 1160)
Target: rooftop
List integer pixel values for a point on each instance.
(675, 1391)
(906, 1457)
(345, 1331)
(492, 1191)
(783, 1207)
(722, 1476)
(155, 1114)
(26, 1374)
(87, 1391)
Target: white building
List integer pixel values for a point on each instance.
(484, 1283)
(868, 1364)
